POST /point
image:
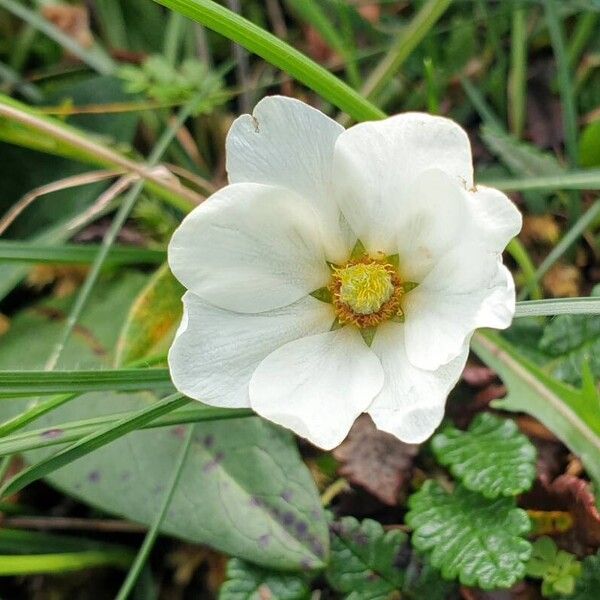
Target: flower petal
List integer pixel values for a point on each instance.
(432, 222)
(216, 351)
(250, 248)
(317, 385)
(288, 143)
(467, 289)
(375, 163)
(411, 403)
(496, 218)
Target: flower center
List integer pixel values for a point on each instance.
(365, 287)
(365, 292)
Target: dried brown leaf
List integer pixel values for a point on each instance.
(376, 461)
(563, 281)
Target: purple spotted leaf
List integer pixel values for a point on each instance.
(244, 489)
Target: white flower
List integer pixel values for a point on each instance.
(384, 221)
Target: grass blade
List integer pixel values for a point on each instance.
(517, 88)
(573, 180)
(31, 383)
(95, 58)
(92, 442)
(558, 306)
(407, 41)
(31, 564)
(146, 547)
(27, 252)
(64, 433)
(278, 53)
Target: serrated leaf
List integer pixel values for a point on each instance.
(571, 341)
(492, 457)
(571, 414)
(244, 489)
(152, 319)
(366, 562)
(469, 537)
(588, 582)
(246, 581)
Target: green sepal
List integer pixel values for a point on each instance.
(359, 251)
(368, 333)
(323, 294)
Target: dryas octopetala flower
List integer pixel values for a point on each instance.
(340, 272)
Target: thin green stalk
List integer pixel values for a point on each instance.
(565, 85)
(95, 58)
(111, 235)
(278, 53)
(12, 77)
(173, 36)
(586, 27)
(574, 180)
(517, 79)
(34, 412)
(74, 431)
(30, 564)
(28, 252)
(408, 39)
(520, 255)
(30, 383)
(558, 306)
(565, 243)
(480, 104)
(92, 442)
(152, 534)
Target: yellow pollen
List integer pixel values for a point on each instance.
(365, 287)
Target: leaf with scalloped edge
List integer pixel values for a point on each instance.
(492, 457)
(246, 581)
(366, 562)
(588, 583)
(571, 414)
(469, 537)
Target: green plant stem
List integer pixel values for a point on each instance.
(558, 306)
(23, 564)
(517, 90)
(28, 252)
(563, 246)
(574, 180)
(520, 255)
(146, 547)
(408, 39)
(278, 53)
(173, 35)
(74, 431)
(565, 84)
(95, 58)
(30, 383)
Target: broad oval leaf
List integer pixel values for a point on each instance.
(492, 457)
(244, 488)
(469, 537)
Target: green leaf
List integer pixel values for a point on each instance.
(557, 569)
(588, 583)
(246, 581)
(469, 537)
(152, 320)
(588, 305)
(423, 581)
(569, 413)
(589, 146)
(278, 53)
(17, 251)
(571, 341)
(366, 562)
(244, 489)
(32, 383)
(492, 457)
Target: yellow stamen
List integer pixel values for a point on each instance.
(365, 287)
